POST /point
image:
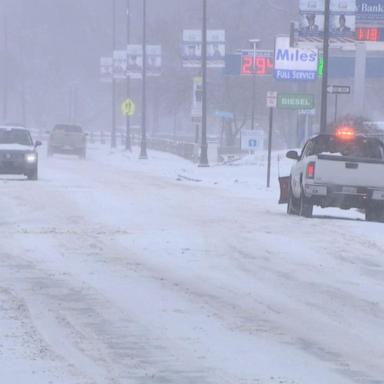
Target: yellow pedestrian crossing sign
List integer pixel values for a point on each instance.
(128, 107)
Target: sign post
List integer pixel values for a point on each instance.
(271, 104)
(270, 147)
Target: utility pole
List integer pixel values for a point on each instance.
(270, 146)
(324, 85)
(113, 132)
(143, 150)
(254, 43)
(204, 144)
(128, 145)
(5, 71)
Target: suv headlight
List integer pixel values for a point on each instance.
(31, 157)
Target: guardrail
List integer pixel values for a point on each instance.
(180, 148)
(183, 147)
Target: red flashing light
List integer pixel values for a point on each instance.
(311, 170)
(346, 133)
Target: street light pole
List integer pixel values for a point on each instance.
(143, 151)
(204, 144)
(128, 145)
(254, 43)
(113, 133)
(5, 71)
(324, 85)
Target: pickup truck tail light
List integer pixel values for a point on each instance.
(311, 170)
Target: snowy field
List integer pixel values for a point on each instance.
(118, 270)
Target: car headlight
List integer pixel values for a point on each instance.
(31, 157)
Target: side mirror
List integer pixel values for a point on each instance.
(292, 155)
(38, 143)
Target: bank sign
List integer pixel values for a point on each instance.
(370, 13)
(295, 64)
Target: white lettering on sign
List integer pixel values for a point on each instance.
(379, 8)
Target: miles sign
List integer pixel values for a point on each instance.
(294, 63)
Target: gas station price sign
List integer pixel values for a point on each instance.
(259, 63)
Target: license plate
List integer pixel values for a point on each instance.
(349, 190)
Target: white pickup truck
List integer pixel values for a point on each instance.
(343, 170)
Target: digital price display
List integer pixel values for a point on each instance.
(368, 34)
(260, 64)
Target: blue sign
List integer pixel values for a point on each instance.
(370, 13)
(225, 115)
(288, 74)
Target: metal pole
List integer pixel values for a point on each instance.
(253, 87)
(5, 72)
(359, 80)
(143, 150)
(324, 94)
(128, 145)
(336, 102)
(113, 132)
(270, 147)
(204, 145)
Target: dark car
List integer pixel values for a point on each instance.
(18, 155)
(67, 139)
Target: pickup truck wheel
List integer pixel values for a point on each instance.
(82, 154)
(33, 175)
(374, 214)
(306, 208)
(293, 204)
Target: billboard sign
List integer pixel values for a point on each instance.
(191, 48)
(135, 60)
(342, 19)
(370, 20)
(370, 13)
(294, 63)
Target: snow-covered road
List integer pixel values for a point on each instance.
(115, 270)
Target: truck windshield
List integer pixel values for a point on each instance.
(360, 147)
(15, 136)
